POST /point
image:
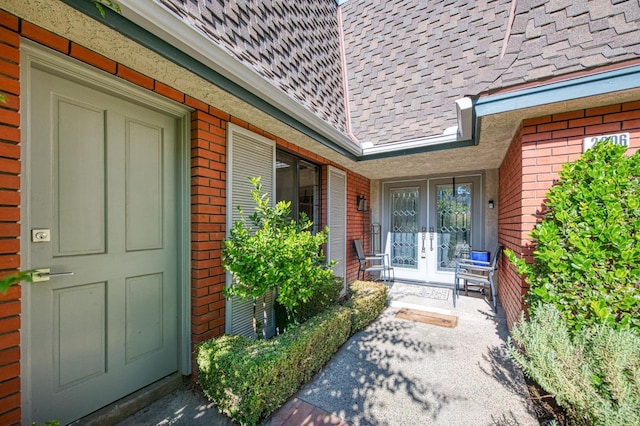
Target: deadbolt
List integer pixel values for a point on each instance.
(40, 235)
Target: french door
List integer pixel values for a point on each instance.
(430, 223)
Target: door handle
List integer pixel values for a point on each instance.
(44, 274)
(431, 237)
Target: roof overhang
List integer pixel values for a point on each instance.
(496, 119)
(485, 127)
(158, 29)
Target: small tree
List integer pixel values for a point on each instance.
(587, 257)
(275, 252)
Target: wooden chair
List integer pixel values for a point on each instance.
(377, 263)
(477, 272)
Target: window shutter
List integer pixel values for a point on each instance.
(248, 155)
(337, 220)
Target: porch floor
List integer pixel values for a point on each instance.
(398, 371)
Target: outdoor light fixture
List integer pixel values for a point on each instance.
(361, 203)
(491, 204)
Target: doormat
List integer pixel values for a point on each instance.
(401, 289)
(428, 317)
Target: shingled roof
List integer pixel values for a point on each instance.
(294, 45)
(408, 61)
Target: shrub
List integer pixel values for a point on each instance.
(587, 257)
(594, 375)
(275, 252)
(321, 300)
(249, 379)
(366, 300)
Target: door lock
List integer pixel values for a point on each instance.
(40, 235)
(44, 274)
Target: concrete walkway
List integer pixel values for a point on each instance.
(397, 372)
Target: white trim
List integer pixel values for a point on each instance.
(32, 56)
(335, 171)
(462, 132)
(368, 148)
(161, 22)
(424, 272)
(233, 129)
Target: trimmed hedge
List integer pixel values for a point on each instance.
(249, 379)
(367, 299)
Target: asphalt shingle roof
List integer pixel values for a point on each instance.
(292, 44)
(409, 60)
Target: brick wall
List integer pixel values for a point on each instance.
(208, 196)
(9, 217)
(357, 222)
(530, 167)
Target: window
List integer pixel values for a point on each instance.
(298, 181)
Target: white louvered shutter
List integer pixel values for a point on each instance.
(248, 155)
(337, 220)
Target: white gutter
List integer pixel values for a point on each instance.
(462, 132)
(161, 22)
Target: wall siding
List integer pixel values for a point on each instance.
(208, 196)
(531, 165)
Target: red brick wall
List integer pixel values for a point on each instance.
(529, 169)
(9, 217)
(510, 229)
(357, 222)
(208, 196)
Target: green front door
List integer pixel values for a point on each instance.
(100, 176)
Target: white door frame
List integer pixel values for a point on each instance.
(425, 271)
(33, 55)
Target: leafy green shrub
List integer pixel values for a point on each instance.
(15, 279)
(594, 375)
(587, 257)
(249, 379)
(322, 299)
(366, 300)
(275, 252)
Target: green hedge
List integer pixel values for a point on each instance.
(249, 379)
(367, 299)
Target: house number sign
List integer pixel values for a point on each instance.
(618, 139)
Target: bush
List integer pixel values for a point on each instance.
(249, 379)
(594, 375)
(366, 300)
(320, 301)
(275, 252)
(587, 257)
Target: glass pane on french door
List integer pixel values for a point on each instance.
(454, 223)
(405, 216)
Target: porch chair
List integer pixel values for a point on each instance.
(477, 272)
(373, 263)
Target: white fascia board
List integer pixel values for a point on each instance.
(161, 22)
(369, 148)
(464, 111)
(461, 132)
